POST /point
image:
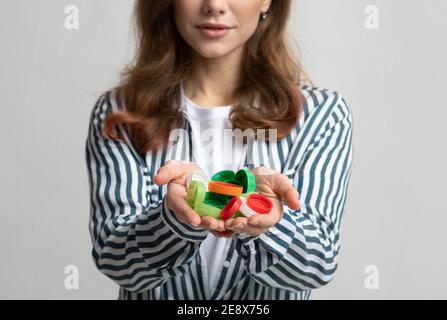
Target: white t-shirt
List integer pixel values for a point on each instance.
(214, 154)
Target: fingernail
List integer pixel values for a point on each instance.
(195, 224)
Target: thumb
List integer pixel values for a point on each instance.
(287, 192)
(166, 174)
(291, 197)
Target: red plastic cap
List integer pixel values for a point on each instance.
(259, 203)
(231, 208)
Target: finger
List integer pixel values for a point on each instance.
(237, 221)
(217, 224)
(262, 220)
(250, 230)
(209, 223)
(228, 223)
(186, 213)
(238, 225)
(285, 189)
(220, 225)
(291, 198)
(267, 220)
(170, 171)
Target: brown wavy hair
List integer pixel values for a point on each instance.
(271, 77)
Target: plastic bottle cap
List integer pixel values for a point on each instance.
(195, 192)
(223, 176)
(198, 175)
(259, 203)
(231, 208)
(219, 197)
(224, 188)
(245, 209)
(245, 195)
(248, 211)
(214, 203)
(246, 178)
(234, 181)
(204, 209)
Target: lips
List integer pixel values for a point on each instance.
(213, 30)
(213, 26)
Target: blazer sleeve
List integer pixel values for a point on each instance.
(137, 243)
(301, 251)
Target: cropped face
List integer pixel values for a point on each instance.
(215, 28)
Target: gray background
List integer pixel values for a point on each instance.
(393, 79)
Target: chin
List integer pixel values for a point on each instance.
(213, 53)
(212, 56)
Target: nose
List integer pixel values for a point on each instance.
(214, 7)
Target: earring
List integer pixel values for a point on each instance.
(264, 15)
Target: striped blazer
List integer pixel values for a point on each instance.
(139, 244)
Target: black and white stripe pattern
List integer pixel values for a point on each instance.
(139, 243)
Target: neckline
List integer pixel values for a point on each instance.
(201, 113)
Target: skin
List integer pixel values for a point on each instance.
(216, 63)
(269, 183)
(215, 73)
(278, 188)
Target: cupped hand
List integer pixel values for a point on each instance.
(175, 173)
(278, 188)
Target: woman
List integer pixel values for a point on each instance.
(218, 65)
